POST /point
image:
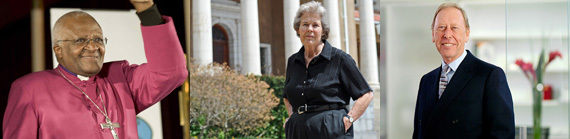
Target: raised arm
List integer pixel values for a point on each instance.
(166, 65)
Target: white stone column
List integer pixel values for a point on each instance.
(334, 22)
(292, 42)
(368, 67)
(202, 48)
(250, 37)
(368, 42)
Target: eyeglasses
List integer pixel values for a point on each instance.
(84, 41)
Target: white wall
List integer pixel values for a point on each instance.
(122, 28)
(409, 54)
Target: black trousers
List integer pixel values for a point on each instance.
(318, 125)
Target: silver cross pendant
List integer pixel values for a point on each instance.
(111, 126)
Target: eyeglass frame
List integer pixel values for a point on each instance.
(104, 39)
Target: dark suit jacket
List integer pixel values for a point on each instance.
(477, 103)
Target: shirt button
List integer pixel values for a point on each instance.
(304, 82)
(302, 94)
(455, 121)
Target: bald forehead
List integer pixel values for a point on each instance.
(76, 17)
(75, 24)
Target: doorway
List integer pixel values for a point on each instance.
(220, 45)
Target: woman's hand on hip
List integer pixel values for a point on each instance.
(347, 124)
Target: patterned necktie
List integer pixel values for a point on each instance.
(443, 80)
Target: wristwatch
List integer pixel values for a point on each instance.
(350, 119)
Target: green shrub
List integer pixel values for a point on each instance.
(274, 128)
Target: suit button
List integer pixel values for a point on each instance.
(420, 122)
(455, 121)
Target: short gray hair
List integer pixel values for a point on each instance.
(451, 5)
(59, 24)
(314, 7)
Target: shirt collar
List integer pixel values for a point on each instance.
(67, 70)
(80, 77)
(455, 64)
(325, 53)
(327, 50)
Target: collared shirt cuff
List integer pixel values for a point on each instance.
(150, 16)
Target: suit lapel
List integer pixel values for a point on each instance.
(460, 78)
(429, 100)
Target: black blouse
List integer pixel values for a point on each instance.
(332, 77)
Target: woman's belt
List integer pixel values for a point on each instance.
(317, 108)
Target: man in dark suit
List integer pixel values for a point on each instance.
(465, 97)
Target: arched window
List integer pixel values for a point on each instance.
(220, 44)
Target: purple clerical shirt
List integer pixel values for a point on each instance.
(45, 105)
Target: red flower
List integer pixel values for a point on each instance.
(553, 55)
(519, 62)
(527, 69)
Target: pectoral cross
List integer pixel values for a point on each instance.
(111, 126)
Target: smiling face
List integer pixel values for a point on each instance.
(310, 29)
(450, 34)
(85, 60)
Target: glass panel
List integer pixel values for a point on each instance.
(263, 57)
(533, 26)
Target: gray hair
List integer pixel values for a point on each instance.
(315, 8)
(59, 24)
(451, 5)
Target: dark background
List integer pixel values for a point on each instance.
(15, 40)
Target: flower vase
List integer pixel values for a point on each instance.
(537, 110)
(535, 76)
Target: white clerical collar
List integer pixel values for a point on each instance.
(82, 78)
(455, 64)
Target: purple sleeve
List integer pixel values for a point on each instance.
(165, 68)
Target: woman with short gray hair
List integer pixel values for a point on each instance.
(320, 81)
